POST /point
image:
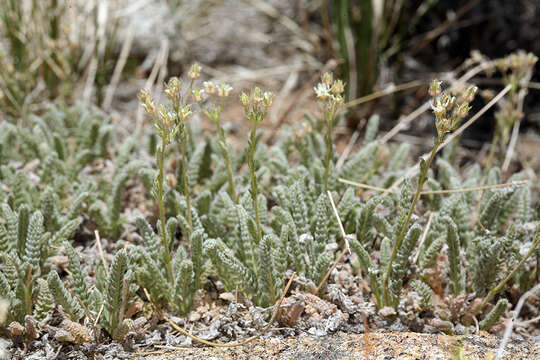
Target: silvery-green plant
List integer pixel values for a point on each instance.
(25, 245)
(107, 301)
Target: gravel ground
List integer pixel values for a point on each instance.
(395, 345)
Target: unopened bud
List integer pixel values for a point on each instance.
(244, 99)
(194, 71)
(173, 87)
(469, 94)
(463, 110)
(531, 59)
(197, 95)
(327, 78)
(209, 87)
(144, 96)
(164, 115)
(224, 90)
(185, 113)
(257, 96)
(502, 65)
(337, 87)
(435, 88)
(267, 98)
(338, 100)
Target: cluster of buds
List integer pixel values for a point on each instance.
(222, 91)
(256, 104)
(166, 116)
(448, 111)
(195, 71)
(198, 95)
(330, 90)
(505, 118)
(147, 102)
(209, 87)
(517, 61)
(173, 87)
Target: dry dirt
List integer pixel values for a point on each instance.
(395, 345)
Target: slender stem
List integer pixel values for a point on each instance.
(161, 206)
(397, 245)
(185, 179)
(254, 187)
(225, 152)
(328, 154)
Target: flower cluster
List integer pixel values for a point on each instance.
(330, 90)
(448, 109)
(256, 104)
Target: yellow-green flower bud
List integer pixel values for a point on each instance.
(164, 115)
(197, 95)
(172, 88)
(267, 98)
(209, 87)
(185, 113)
(194, 71)
(435, 88)
(257, 96)
(224, 90)
(463, 110)
(144, 96)
(469, 94)
(244, 99)
(338, 100)
(531, 59)
(327, 78)
(337, 87)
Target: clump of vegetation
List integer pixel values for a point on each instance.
(244, 218)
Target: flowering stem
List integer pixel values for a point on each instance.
(328, 155)
(254, 185)
(422, 178)
(225, 152)
(187, 195)
(161, 207)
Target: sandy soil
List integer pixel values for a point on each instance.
(402, 345)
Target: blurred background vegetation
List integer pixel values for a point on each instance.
(100, 52)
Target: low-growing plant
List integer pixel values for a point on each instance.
(244, 218)
(25, 246)
(110, 297)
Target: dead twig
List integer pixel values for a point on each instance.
(390, 89)
(101, 254)
(431, 192)
(124, 53)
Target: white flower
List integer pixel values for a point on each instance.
(440, 104)
(322, 91)
(224, 90)
(267, 98)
